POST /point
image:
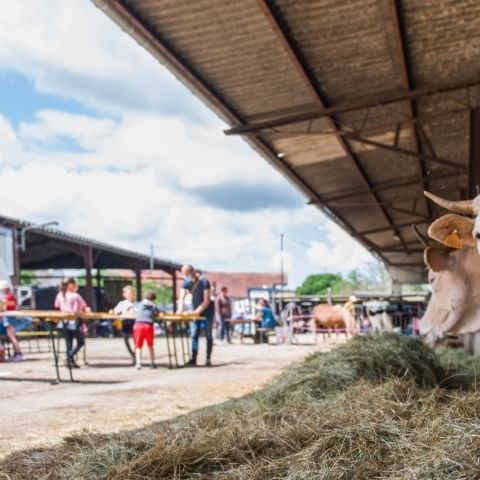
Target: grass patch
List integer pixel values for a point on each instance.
(378, 407)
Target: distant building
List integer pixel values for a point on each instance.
(238, 283)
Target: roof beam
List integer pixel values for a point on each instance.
(345, 108)
(313, 87)
(400, 250)
(400, 225)
(389, 205)
(392, 184)
(407, 264)
(405, 76)
(372, 129)
(392, 148)
(395, 246)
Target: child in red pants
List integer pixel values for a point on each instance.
(143, 331)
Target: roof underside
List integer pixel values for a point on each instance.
(361, 104)
(48, 248)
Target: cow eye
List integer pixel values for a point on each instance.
(477, 235)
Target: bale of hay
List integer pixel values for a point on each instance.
(373, 358)
(373, 408)
(461, 369)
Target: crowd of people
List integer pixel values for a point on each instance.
(215, 310)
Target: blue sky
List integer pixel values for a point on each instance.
(96, 134)
(20, 100)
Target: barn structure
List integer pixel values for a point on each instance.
(362, 104)
(27, 246)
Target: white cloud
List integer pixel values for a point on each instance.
(70, 48)
(51, 126)
(9, 146)
(338, 253)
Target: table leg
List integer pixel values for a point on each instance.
(174, 338)
(168, 345)
(187, 339)
(55, 355)
(182, 339)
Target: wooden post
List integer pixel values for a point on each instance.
(174, 290)
(99, 285)
(138, 277)
(88, 262)
(474, 165)
(16, 259)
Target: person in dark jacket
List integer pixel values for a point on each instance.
(198, 286)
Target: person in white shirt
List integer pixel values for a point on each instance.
(127, 306)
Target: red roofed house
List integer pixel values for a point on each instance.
(238, 283)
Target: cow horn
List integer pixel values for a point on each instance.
(463, 206)
(423, 239)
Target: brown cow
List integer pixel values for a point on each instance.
(454, 273)
(331, 317)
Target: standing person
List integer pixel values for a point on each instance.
(11, 324)
(143, 330)
(127, 305)
(59, 303)
(74, 330)
(223, 310)
(199, 287)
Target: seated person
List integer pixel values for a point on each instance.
(265, 317)
(12, 324)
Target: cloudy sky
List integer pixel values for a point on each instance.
(95, 134)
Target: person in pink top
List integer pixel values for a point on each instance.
(70, 301)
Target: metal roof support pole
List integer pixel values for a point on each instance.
(311, 83)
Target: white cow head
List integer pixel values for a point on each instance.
(454, 269)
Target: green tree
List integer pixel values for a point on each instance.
(318, 284)
(27, 277)
(163, 292)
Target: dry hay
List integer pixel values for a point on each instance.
(379, 407)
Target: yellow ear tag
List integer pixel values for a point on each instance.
(453, 240)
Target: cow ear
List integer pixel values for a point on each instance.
(437, 259)
(453, 231)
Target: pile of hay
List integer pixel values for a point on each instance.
(378, 407)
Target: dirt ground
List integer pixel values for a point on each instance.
(111, 395)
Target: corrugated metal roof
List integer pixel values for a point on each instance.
(264, 60)
(49, 249)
